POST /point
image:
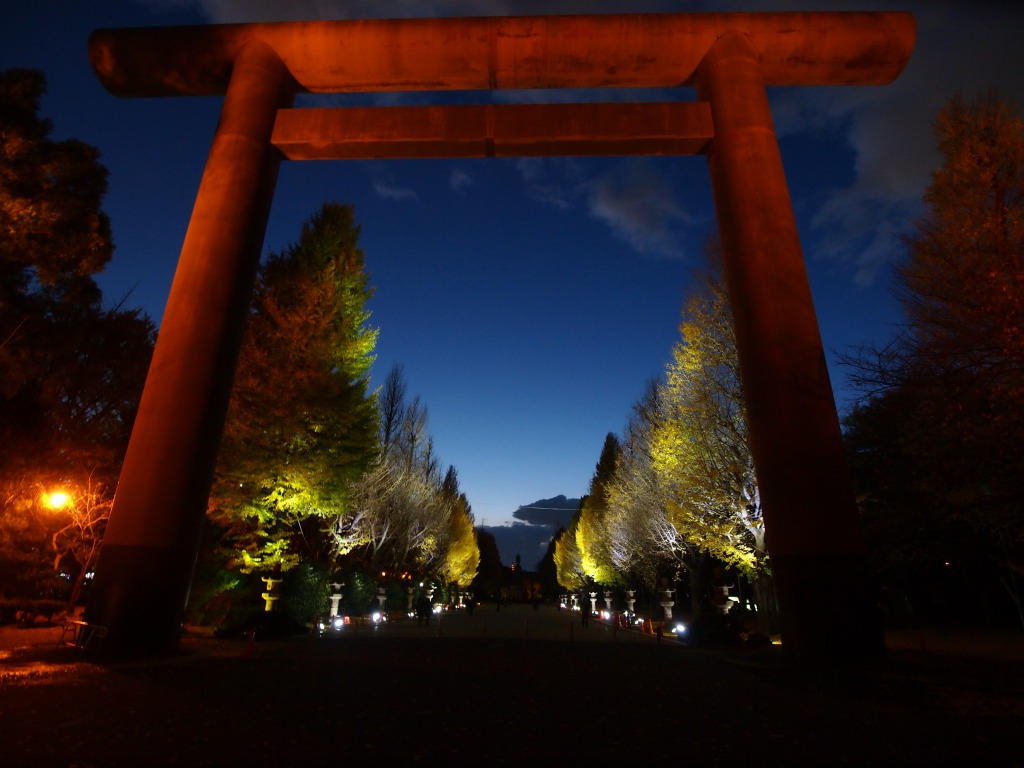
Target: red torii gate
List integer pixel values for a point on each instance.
(814, 539)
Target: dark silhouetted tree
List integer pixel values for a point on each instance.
(489, 573)
(71, 372)
(938, 445)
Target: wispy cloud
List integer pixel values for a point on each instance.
(632, 198)
(459, 179)
(531, 168)
(537, 173)
(390, 191)
(549, 194)
(639, 207)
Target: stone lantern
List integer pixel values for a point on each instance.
(667, 602)
(270, 597)
(335, 598)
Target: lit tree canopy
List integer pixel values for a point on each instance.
(680, 487)
(568, 563)
(404, 515)
(962, 285)
(699, 445)
(462, 555)
(592, 527)
(641, 535)
(301, 424)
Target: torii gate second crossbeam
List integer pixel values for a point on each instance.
(814, 539)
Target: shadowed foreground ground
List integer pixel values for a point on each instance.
(516, 688)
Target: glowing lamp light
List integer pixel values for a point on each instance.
(338, 623)
(679, 629)
(57, 499)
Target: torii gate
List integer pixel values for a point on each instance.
(813, 533)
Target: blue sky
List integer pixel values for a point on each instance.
(530, 301)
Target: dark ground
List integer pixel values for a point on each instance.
(511, 688)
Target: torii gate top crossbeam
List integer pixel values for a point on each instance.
(482, 53)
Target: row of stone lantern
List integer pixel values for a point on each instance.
(410, 595)
(592, 601)
(461, 596)
(667, 601)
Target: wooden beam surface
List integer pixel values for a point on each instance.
(493, 130)
(507, 52)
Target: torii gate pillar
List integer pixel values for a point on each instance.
(147, 560)
(813, 533)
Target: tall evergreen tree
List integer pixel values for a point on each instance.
(70, 371)
(461, 557)
(568, 560)
(489, 573)
(592, 528)
(301, 424)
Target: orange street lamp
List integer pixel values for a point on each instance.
(56, 499)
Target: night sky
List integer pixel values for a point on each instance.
(530, 301)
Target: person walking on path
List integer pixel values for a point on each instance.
(423, 610)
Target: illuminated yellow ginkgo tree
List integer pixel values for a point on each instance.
(699, 445)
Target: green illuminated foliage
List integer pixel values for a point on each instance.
(568, 561)
(301, 424)
(462, 558)
(592, 533)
